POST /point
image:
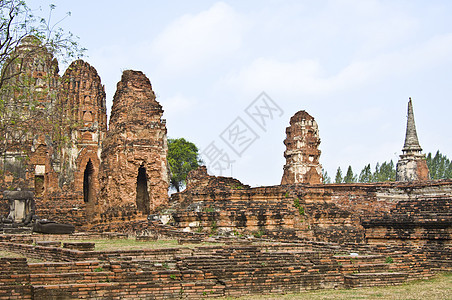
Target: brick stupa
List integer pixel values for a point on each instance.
(302, 153)
(412, 165)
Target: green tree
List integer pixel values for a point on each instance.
(384, 172)
(440, 166)
(182, 158)
(365, 175)
(29, 48)
(376, 173)
(326, 178)
(349, 177)
(18, 22)
(338, 178)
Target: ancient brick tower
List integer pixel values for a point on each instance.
(412, 165)
(84, 107)
(134, 174)
(302, 153)
(29, 101)
(54, 146)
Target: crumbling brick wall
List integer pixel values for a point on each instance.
(134, 168)
(330, 213)
(59, 154)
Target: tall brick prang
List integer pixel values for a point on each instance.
(134, 167)
(412, 165)
(84, 107)
(302, 153)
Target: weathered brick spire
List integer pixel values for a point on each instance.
(134, 174)
(302, 151)
(412, 165)
(411, 145)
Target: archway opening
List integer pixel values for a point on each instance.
(88, 182)
(39, 185)
(142, 199)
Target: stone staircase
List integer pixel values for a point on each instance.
(212, 271)
(251, 269)
(14, 278)
(375, 270)
(133, 279)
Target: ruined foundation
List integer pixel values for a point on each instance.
(292, 237)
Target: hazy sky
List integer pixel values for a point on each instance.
(352, 65)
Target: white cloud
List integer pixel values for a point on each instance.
(192, 41)
(176, 105)
(304, 76)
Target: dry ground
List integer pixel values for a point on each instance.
(437, 288)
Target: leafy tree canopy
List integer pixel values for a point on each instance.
(19, 22)
(182, 158)
(439, 165)
(338, 178)
(326, 177)
(365, 175)
(29, 78)
(349, 177)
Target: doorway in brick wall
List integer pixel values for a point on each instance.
(39, 185)
(142, 199)
(88, 190)
(88, 183)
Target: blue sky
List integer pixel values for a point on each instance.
(351, 64)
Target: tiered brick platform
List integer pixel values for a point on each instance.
(205, 271)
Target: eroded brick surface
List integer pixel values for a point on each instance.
(59, 155)
(302, 153)
(134, 174)
(412, 165)
(330, 213)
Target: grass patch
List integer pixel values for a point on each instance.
(132, 244)
(439, 287)
(296, 203)
(8, 254)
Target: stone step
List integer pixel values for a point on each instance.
(65, 267)
(365, 268)
(361, 259)
(294, 256)
(55, 278)
(374, 279)
(18, 230)
(129, 290)
(251, 260)
(214, 265)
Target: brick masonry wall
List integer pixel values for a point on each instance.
(210, 271)
(333, 213)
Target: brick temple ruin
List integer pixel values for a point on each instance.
(302, 153)
(81, 172)
(113, 183)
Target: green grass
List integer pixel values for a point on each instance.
(8, 254)
(132, 244)
(439, 287)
